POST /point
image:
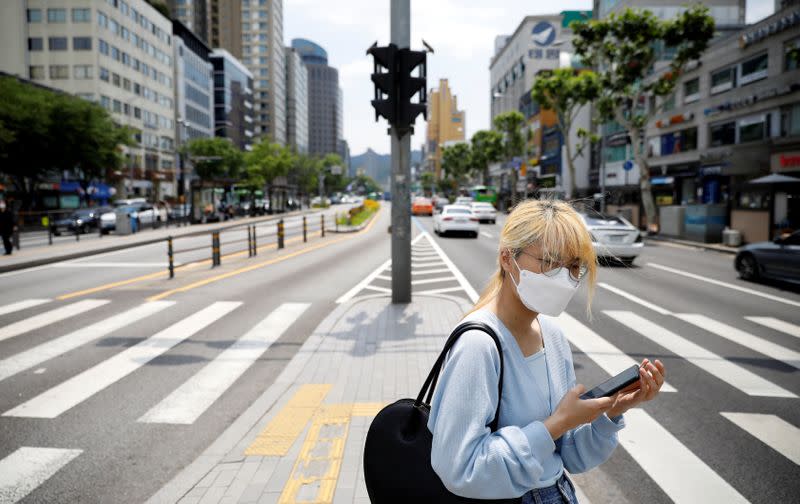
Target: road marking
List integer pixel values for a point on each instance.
(378, 289)
(679, 472)
(633, 298)
(49, 317)
(424, 255)
(73, 340)
(72, 392)
(384, 277)
(429, 267)
(114, 265)
(112, 285)
(281, 432)
(725, 284)
(473, 296)
(28, 467)
(771, 430)
(778, 325)
(487, 235)
(186, 403)
(431, 271)
(22, 305)
(735, 376)
(433, 280)
(426, 262)
(347, 296)
(604, 354)
(745, 339)
(441, 291)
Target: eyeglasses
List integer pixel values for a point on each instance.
(550, 267)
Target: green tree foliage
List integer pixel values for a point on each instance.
(487, 148)
(624, 49)
(333, 182)
(215, 159)
(456, 162)
(509, 124)
(366, 184)
(266, 162)
(565, 91)
(305, 173)
(428, 181)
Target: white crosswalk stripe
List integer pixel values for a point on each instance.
(778, 325)
(61, 398)
(59, 346)
(50, 317)
(197, 394)
(22, 305)
(771, 430)
(734, 375)
(27, 468)
(679, 472)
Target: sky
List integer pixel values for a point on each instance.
(462, 33)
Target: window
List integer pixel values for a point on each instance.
(669, 102)
(753, 69)
(792, 55)
(36, 72)
(104, 74)
(82, 71)
(723, 80)
(723, 134)
(679, 141)
(691, 90)
(126, 84)
(790, 120)
(34, 15)
(753, 128)
(117, 106)
(126, 109)
(116, 80)
(137, 112)
(56, 15)
(114, 53)
(86, 96)
(102, 19)
(35, 44)
(81, 15)
(105, 101)
(59, 71)
(82, 43)
(102, 46)
(57, 43)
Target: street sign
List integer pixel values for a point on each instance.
(628, 166)
(336, 170)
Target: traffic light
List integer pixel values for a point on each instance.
(409, 86)
(385, 80)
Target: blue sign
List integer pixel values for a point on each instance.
(543, 34)
(628, 165)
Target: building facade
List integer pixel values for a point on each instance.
(233, 99)
(193, 14)
(296, 102)
(445, 124)
(116, 53)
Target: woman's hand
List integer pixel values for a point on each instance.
(651, 378)
(573, 411)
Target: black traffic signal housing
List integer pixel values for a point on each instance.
(385, 79)
(409, 86)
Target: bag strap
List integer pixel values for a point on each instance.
(433, 376)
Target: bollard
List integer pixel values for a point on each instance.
(280, 234)
(322, 225)
(15, 238)
(255, 242)
(215, 256)
(169, 254)
(305, 230)
(249, 241)
(336, 221)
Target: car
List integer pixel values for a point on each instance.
(613, 237)
(456, 218)
(775, 260)
(439, 202)
(421, 206)
(463, 200)
(82, 221)
(485, 212)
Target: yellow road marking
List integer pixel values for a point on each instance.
(279, 435)
(367, 409)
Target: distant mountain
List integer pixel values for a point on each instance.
(378, 166)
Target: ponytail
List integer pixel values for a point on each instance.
(491, 290)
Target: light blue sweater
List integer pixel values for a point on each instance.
(521, 455)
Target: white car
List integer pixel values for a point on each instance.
(613, 237)
(456, 218)
(485, 212)
(463, 200)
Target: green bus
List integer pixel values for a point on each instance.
(484, 193)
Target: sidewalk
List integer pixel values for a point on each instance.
(303, 439)
(717, 247)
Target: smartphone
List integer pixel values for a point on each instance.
(615, 384)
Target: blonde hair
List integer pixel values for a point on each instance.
(556, 228)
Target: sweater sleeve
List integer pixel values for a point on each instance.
(471, 460)
(588, 445)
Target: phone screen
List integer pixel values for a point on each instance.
(615, 384)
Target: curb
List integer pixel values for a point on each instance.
(353, 229)
(706, 246)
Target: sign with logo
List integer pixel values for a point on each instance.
(543, 34)
(785, 161)
(628, 165)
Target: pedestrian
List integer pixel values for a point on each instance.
(544, 427)
(7, 226)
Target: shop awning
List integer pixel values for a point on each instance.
(775, 178)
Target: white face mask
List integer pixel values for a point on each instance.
(548, 295)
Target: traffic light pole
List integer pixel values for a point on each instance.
(401, 173)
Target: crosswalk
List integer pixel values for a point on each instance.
(671, 462)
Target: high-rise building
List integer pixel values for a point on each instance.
(324, 99)
(193, 14)
(296, 102)
(233, 99)
(445, 124)
(729, 15)
(118, 54)
(344, 153)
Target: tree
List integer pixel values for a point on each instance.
(266, 162)
(305, 173)
(427, 180)
(509, 124)
(456, 161)
(487, 148)
(624, 50)
(366, 184)
(333, 182)
(565, 91)
(215, 159)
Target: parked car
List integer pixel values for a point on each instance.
(82, 220)
(456, 218)
(317, 201)
(775, 260)
(108, 222)
(613, 237)
(421, 206)
(485, 212)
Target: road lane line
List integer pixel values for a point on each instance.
(743, 338)
(59, 346)
(49, 317)
(725, 284)
(28, 467)
(57, 400)
(732, 374)
(431, 271)
(778, 325)
(114, 265)
(604, 354)
(347, 296)
(186, 403)
(679, 472)
(378, 289)
(441, 291)
(633, 298)
(487, 235)
(384, 277)
(771, 430)
(471, 294)
(22, 305)
(433, 280)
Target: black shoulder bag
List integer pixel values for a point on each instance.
(397, 452)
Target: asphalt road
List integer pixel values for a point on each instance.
(98, 399)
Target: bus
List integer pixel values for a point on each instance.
(484, 193)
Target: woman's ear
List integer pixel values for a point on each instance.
(505, 260)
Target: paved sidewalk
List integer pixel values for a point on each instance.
(302, 440)
(717, 247)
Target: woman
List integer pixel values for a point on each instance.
(544, 427)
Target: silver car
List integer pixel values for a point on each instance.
(613, 237)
